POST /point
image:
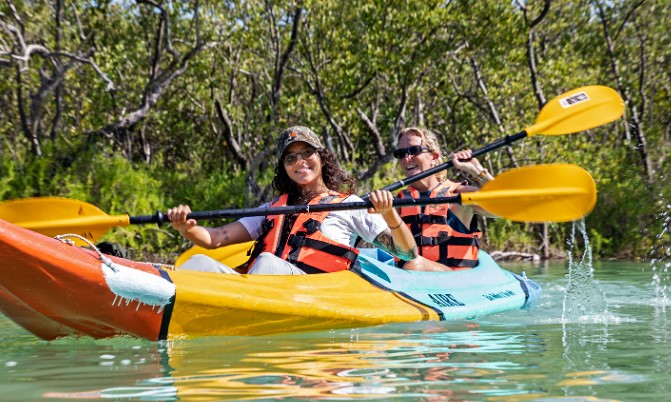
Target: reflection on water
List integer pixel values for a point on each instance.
(432, 362)
(427, 364)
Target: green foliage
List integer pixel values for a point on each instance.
(600, 244)
(461, 68)
(510, 236)
(118, 187)
(7, 177)
(217, 190)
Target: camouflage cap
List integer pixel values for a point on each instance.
(297, 134)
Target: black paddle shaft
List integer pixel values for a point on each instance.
(160, 217)
(507, 140)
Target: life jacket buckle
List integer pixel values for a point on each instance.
(267, 225)
(311, 226)
(297, 240)
(426, 241)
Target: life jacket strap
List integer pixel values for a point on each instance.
(425, 219)
(456, 262)
(444, 240)
(299, 241)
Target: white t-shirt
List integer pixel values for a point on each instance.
(342, 226)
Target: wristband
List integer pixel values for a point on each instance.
(397, 226)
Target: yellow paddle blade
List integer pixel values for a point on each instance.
(577, 110)
(233, 255)
(54, 216)
(543, 193)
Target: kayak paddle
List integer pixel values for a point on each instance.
(542, 193)
(573, 111)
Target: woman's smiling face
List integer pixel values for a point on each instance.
(414, 164)
(307, 173)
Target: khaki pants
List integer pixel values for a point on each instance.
(265, 264)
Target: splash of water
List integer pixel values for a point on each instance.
(584, 305)
(583, 297)
(660, 259)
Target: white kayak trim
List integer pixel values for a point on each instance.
(133, 285)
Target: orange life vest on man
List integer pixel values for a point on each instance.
(306, 246)
(439, 234)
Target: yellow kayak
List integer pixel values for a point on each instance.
(53, 288)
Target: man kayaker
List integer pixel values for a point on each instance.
(446, 234)
(315, 242)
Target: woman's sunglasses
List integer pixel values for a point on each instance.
(290, 159)
(412, 151)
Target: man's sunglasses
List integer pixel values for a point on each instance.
(412, 151)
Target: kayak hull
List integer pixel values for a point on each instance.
(54, 289)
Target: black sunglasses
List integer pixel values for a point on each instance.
(412, 151)
(291, 158)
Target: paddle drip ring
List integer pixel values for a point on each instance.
(104, 259)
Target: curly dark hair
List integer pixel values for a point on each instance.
(334, 178)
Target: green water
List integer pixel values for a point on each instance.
(616, 347)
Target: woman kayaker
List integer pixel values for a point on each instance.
(315, 242)
(446, 235)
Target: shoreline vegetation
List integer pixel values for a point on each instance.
(135, 106)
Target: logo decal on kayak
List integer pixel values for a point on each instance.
(445, 300)
(499, 295)
(573, 100)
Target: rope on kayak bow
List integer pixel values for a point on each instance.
(104, 259)
(129, 284)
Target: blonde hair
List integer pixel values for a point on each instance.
(429, 140)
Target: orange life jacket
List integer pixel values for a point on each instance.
(439, 234)
(306, 246)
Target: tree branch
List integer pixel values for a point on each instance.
(229, 135)
(284, 60)
(378, 143)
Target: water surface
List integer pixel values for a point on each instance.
(562, 350)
